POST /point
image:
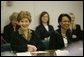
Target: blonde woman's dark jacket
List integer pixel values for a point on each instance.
(19, 43)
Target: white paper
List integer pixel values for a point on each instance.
(40, 52)
(62, 52)
(24, 54)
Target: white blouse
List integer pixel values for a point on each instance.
(65, 42)
(46, 27)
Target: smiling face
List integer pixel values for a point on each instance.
(65, 23)
(24, 23)
(24, 19)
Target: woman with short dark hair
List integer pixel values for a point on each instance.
(62, 36)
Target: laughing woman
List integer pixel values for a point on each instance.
(64, 36)
(25, 39)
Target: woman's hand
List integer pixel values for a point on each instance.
(31, 48)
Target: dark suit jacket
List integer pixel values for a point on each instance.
(42, 32)
(56, 42)
(8, 29)
(77, 32)
(19, 43)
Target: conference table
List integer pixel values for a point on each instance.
(75, 49)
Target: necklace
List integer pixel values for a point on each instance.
(26, 34)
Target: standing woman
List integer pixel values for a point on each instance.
(25, 39)
(44, 29)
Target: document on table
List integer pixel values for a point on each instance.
(40, 52)
(62, 52)
(24, 54)
(29, 53)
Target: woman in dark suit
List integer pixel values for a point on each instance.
(11, 27)
(25, 39)
(75, 29)
(62, 36)
(44, 30)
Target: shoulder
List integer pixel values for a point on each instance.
(32, 31)
(39, 27)
(6, 26)
(34, 34)
(50, 25)
(77, 25)
(57, 30)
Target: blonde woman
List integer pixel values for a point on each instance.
(25, 39)
(11, 27)
(75, 28)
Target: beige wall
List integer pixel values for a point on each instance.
(54, 8)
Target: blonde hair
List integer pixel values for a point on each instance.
(21, 15)
(74, 24)
(13, 16)
(24, 14)
(71, 13)
(22, 33)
